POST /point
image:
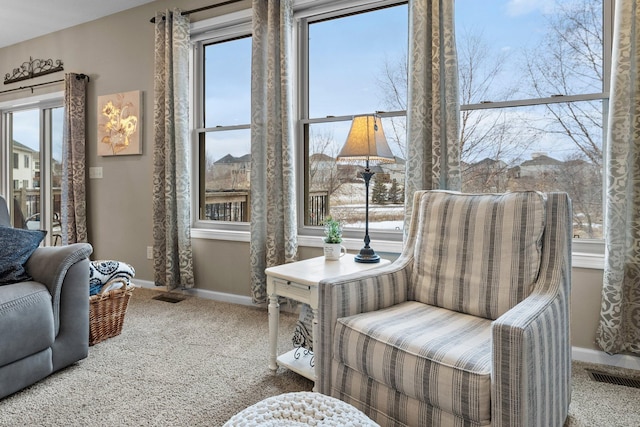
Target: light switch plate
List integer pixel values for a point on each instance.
(95, 173)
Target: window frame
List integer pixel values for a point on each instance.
(587, 253)
(215, 30)
(352, 237)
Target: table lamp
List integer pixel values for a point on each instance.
(366, 143)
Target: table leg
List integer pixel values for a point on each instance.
(316, 349)
(274, 321)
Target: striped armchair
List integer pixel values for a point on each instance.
(469, 327)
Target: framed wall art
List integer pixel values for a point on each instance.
(120, 124)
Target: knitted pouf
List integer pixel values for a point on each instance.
(300, 409)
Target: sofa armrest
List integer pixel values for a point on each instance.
(352, 294)
(49, 265)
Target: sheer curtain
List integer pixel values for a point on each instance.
(172, 254)
(619, 328)
(433, 111)
(74, 198)
(273, 200)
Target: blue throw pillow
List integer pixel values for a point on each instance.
(16, 246)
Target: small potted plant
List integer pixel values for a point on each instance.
(333, 249)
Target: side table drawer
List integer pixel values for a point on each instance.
(294, 290)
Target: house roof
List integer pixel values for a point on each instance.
(231, 159)
(23, 147)
(321, 157)
(542, 160)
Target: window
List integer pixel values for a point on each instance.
(356, 62)
(224, 135)
(533, 100)
(533, 92)
(35, 137)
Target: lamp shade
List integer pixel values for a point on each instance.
(366, 141)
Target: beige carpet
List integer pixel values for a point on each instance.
(198, 362)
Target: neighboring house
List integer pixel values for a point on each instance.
(26, 167)
(230, 172)
(395, 170)
(485, 175)
(539, 165)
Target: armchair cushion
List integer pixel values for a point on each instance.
(461, 246)
(402, 345)
(16, 246)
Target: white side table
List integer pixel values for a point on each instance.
(299, 281)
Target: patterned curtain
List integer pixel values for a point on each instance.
(619, 328)
(273, 200)
(74, 200)
(433, 111)
(173, 259)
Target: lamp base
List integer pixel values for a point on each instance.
(367, 255)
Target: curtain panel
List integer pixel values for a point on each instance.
(619, 328)
(433, 110)
(273, 195)
(172, 253)
(74, 197)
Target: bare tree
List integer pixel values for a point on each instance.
(392, 81)
(583, 181)
(485, 134)
(492, 134)
(567, 62)
(323, 170)
(209, 169)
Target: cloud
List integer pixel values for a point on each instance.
(524, 7)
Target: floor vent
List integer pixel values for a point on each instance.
(169, 297)
(603, 377)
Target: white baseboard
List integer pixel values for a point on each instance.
(600, 357)
(202, 293)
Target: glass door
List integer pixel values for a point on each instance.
(35, 169)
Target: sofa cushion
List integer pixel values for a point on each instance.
(26, 320)
(428, 353)
(461, 242)
(16, 246)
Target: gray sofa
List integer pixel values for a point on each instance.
(44, 322)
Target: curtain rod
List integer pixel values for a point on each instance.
(200, 9)
(78, 76)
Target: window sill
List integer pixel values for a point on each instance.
(593, 261)
(586, 260)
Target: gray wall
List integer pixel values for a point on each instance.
(117, 53)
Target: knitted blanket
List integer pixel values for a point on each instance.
(109, 274)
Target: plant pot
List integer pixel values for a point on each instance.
(334, 251)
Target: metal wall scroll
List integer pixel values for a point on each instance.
(33, 68)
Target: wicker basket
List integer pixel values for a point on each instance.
(106, 313)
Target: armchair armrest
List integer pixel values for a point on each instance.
(352, 294)
(49, 265)
(532, 359)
